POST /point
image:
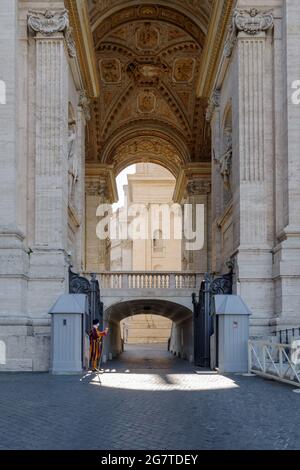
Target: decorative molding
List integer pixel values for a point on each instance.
(70, 42)
(200, 172)
(146, 148)
(103, 26)
(146, 101)
(214, 45)
(147, 37)
(48, 22)
(230, 42)
(214, 102)
(110, 70)
(84, 103)
(81, 32)
(197, 187)
(183, 69)
(96, 188)
(253, 21)
(96, 174)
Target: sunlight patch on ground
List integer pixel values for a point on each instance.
(167, 382)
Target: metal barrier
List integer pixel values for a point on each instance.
(275, 360)
(287, 335)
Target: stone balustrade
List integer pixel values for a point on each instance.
(149, 280)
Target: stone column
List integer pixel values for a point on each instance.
(198, 192)
(49, 258)
(96, 249)
(14, 342)
(287, 121)
(213, 116)
(252, 162)
(82, 117)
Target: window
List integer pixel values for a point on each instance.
(158, 244)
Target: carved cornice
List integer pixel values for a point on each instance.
(191, 173)
(253, 21)
(48, 22)
(214, 45)
(100, 180)
(79, 22)
(214, 102)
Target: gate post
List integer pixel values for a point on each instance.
(207, 321)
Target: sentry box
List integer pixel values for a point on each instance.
(229, 343)
(68, 339)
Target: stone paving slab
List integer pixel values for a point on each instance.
(147, 400)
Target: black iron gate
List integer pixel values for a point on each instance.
(81, 285)
(203, 328)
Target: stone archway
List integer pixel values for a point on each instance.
(181, 340)
(147, 62)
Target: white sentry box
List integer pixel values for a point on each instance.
(68, 333)
(231, 327)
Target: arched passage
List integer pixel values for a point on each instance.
(181, 340)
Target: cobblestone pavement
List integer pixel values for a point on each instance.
(147, 400)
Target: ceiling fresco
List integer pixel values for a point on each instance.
(148, 57)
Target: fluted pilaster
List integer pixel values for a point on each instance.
(251, 29)
(51, 128)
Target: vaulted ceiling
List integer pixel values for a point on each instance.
(148, 56)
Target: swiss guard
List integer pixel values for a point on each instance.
(96, 339)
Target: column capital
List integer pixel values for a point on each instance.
(252, 21)
(48, 22)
